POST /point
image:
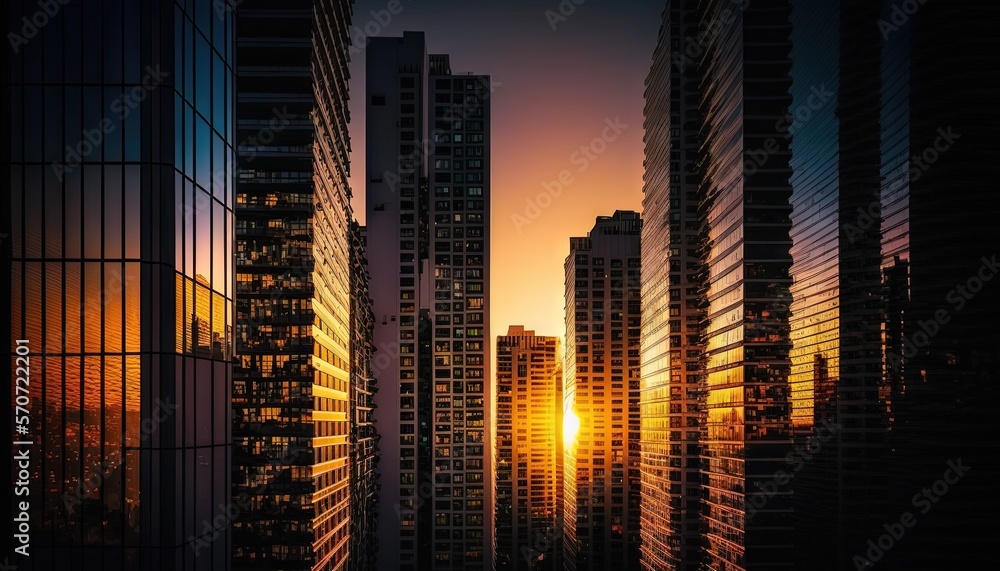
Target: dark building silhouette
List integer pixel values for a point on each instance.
(939, 215)
(363, 549)
(891, 375)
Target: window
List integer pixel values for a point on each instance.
(378, 100)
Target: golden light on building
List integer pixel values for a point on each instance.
(571, 426)
(529, 508)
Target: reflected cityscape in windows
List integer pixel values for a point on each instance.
(121, 279)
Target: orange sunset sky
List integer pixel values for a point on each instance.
(557, 90)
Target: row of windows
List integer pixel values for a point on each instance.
(458, 191)
(582, 260)
(459, 177)
(456, 218)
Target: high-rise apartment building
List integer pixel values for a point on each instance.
(602, 388)
(292, 395)
(529, 460)
(672, 312)
(117, 251)
(729, 186)
(428, 212)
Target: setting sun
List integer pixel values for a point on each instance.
(571, 426)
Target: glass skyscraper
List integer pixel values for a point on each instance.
(838, 408)
(672, 311)
(718, 111)
(118, 242)
(602, 489)
(745, 241)
(428, 213)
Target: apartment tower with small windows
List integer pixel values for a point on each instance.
(529, 459)
(428, 212)
(602, 482)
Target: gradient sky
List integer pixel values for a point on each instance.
(557, 88)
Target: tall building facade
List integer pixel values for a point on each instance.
(888, 378)
(428, 212)
(292, 394)
(529, 458)
(727, 183)
(938, 252)
(889, 354)
(117, 245)
(837, 402)
(363, 548)
(672, 311)
(745, 240)
(602, 388)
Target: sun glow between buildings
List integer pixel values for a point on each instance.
(571, 426)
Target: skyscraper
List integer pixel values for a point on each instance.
(117, 245)
(428, 212)
(292, 396)
(889, 354)
(602, 387)
(672, 311)
(732, 64)
(939, 247)
(837, 409)
(529, 469)
(745, 200)
(363, 548)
